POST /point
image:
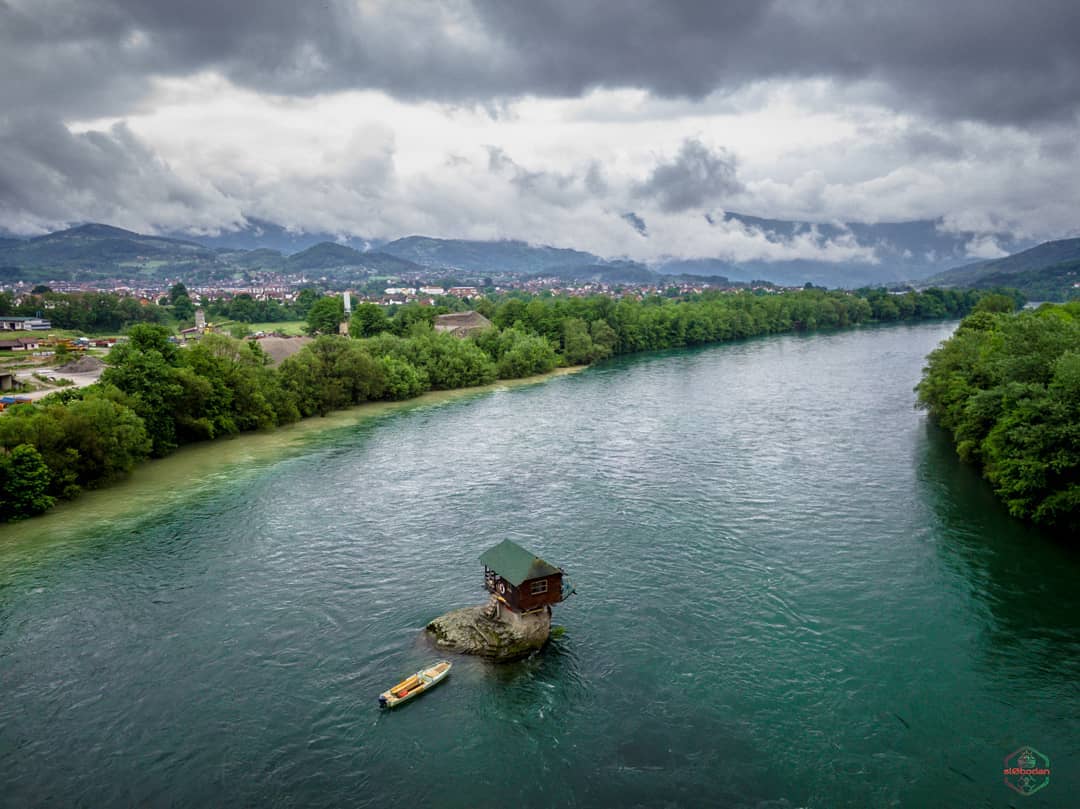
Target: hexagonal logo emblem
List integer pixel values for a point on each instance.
(1027, 771)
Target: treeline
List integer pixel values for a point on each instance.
(587, 329)
(1007, 388)
(155, 396)
(107, 312)
(85, 311)
(246, 309)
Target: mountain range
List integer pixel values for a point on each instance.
(102, 251)
(1047, 272)
(902, 252)
(917, 251)
(259, 233)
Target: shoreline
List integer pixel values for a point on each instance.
(160, 483)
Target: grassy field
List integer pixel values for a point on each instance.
(291, 327)
(61, 334)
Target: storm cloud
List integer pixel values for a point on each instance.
(1013, 62)
(696, 177)
(545, 120)
(50, 176)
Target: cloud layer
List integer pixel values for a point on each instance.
(1005, 61)
(620, 127)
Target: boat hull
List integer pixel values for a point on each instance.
(415, 685)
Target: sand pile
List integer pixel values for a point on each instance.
(281, 347)
(83, 365)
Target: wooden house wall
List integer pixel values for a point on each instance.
(527, 601)
(521, 599)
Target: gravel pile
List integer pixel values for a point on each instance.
(281, 347)
(83, 365)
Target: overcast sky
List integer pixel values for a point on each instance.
(618, 126)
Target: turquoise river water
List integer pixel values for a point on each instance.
(790, 594)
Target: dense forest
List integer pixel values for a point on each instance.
(155, 396)
(1007, 388)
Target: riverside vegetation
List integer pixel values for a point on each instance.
(154, 396)
(1007, 388)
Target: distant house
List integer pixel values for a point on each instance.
(8, 323)
(462, 324)
(463, 292)
(20, 344)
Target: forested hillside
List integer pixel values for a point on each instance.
(1047, 272)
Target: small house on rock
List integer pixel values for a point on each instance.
(520, 580)
(516, 621)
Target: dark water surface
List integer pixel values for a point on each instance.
(790, 594)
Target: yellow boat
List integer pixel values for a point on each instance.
(414, 685)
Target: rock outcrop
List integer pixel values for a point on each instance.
(491, 631)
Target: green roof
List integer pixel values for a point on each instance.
(515, 564)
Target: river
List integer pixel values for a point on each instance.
(790, 594)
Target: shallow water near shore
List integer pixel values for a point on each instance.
(166, 483)
(790, 594)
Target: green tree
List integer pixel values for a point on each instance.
(178, 290)
(107, 436)
(449, 362)
(325, 315)
(577, 344)
(527, 356)
(244, 308)
(145, 369)
(183, 308)
(408, 317)
(605, 339)
(368, 320)
(995, 302)
(332, 373)
(403, 380)
(243, 393)
(305, 299)
(24, 483)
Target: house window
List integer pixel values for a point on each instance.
(538, 587)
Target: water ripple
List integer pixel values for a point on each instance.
(789, 595)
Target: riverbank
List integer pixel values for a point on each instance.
(163, 484)
(156, 398)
